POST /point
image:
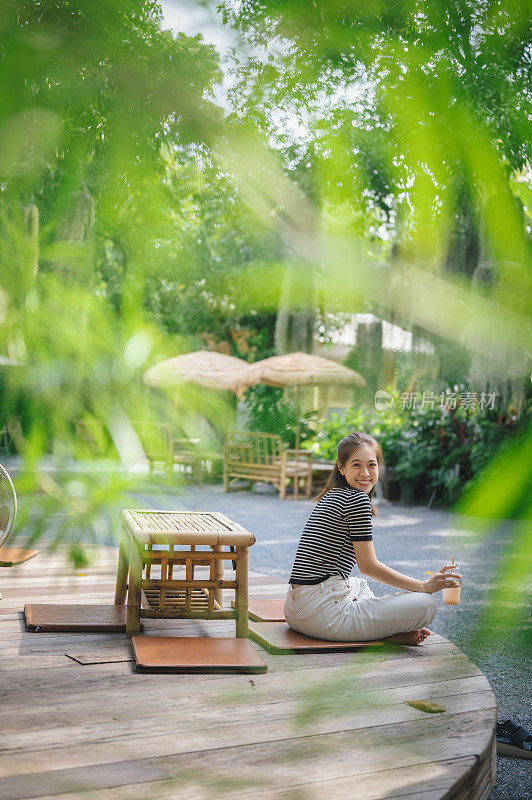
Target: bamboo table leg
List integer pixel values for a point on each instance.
(218, 569)
(124, 549)
(134, 591)
(241, 593)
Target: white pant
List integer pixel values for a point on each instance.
(341, 610)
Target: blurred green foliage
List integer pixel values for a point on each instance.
(369, 157)
(93, 97)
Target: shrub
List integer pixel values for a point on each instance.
(270, 412)
(439, 449)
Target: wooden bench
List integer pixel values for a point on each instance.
(262, 457)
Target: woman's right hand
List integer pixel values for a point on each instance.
(440, 580)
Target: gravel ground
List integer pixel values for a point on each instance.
(411, 539)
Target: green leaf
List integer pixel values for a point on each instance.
(426, 705)
(510, 472)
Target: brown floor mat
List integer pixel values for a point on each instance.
(11, 556)
(86, 618)
(196, 654)
(278, 637)
(266, 609)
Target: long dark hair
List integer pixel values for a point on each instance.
(344, 451)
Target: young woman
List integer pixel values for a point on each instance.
(321, 600)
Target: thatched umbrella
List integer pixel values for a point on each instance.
(301, 369)
(206, 368)
(203, 367)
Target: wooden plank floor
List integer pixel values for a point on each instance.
(314, 726)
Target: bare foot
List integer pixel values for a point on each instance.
(410, 637)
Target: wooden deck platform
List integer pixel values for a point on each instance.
(314, 726)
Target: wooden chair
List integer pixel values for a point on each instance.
(391, 487)
(10, 432)
(90, 436)
(262, 457)
(187, 454)
(164, 451)
(156, 441)
(320, 474)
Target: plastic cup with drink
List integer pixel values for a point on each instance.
(451, 594)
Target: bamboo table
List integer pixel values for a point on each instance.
(150, 571)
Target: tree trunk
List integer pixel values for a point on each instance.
(463, 248)
(30, 214)
(505, 376)
(369, 358)
(507, 283)
(19, 250)
(294, 327)
(74, 245)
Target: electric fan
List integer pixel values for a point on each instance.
(8, 505)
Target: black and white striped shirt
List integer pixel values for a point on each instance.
(341, 517)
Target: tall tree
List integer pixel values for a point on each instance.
(417, 116)
(94, 94)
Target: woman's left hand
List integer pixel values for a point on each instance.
(441, 581)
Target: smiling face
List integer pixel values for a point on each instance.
(361, 469)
